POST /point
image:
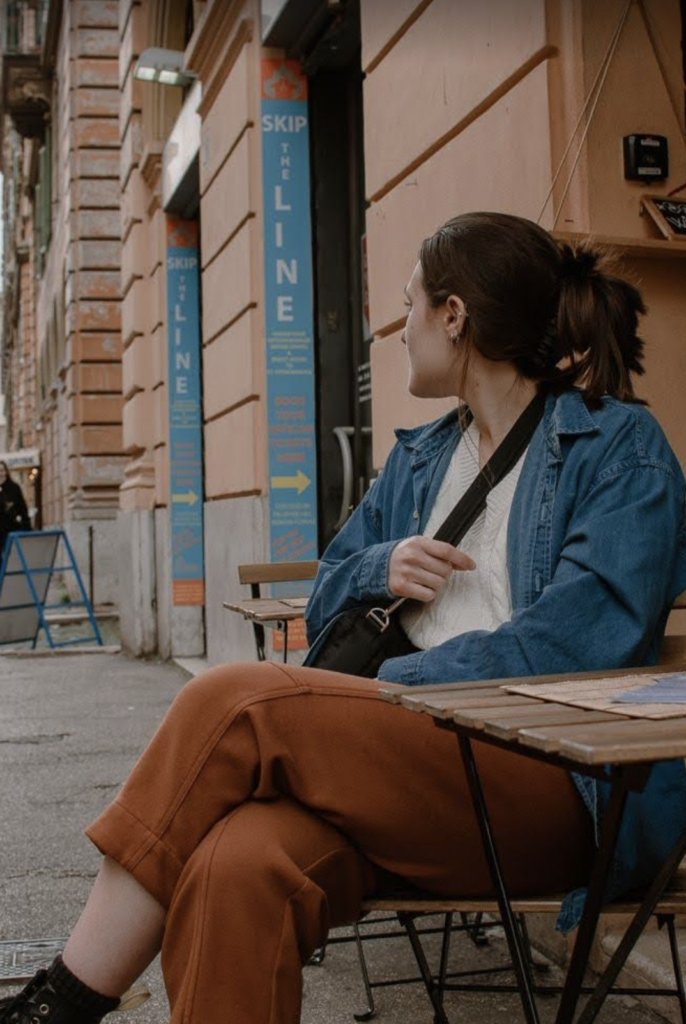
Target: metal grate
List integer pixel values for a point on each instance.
(19, 961)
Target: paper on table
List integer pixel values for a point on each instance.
(598, 695)
(663, 690)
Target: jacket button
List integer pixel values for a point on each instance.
(415, 514)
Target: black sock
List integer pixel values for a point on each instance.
(76, 992)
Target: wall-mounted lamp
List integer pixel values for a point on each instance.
(163, 66)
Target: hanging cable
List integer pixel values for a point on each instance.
(595, 90)
(665, 80)
(661, 65)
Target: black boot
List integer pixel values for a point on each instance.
(46, 1001)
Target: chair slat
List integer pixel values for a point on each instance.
(673, 650)
(265, 609)
(277, 572)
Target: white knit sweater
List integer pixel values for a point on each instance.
(480, 599)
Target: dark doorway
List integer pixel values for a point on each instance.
(325, 38)
(342, 349)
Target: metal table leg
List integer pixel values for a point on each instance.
(594, 900)
(632, 934)
(623, 779)
(520, 961)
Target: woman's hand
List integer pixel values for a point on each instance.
(420, 566)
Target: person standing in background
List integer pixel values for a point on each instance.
(14, 514)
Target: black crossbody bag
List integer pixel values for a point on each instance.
(360, 639)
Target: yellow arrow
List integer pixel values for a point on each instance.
(189, 498)
(299, 482)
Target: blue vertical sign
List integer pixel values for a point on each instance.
(185, 412)
(289, 313)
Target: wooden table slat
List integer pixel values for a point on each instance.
(623, 741)
(507, 726)
(422, 694)
(444, 707)
(394, 696)
(471, 717)
(545, 737)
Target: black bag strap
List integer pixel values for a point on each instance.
(473, 501)
(504, 458)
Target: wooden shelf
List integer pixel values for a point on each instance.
(656, 248)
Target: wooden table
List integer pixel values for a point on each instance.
(598, 743)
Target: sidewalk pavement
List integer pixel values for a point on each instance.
(71, 726)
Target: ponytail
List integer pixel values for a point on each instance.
(596, 326)
(554, 311)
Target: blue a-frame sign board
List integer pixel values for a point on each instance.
(29, 562)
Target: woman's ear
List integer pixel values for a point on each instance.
(455, 317)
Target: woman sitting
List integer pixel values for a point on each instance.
(273, 799)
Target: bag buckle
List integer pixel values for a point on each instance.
(380, 618)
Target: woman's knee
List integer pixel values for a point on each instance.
(213, 693)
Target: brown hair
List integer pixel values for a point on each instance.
(7, 469)
(553, 310)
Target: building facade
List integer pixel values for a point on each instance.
(61, 328)
(207, 351)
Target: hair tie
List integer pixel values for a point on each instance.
(542, 362)
(578, 264)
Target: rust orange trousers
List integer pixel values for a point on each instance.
(272, 799)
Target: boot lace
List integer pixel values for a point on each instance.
(11, 1008)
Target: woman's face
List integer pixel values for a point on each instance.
(435, 360)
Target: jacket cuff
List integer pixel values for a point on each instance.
(407, 670)
(372, 579)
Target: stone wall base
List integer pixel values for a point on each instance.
(181, 628)
(236, 531)
(137, 584)
(105, 559)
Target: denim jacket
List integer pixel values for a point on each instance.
(596, 555)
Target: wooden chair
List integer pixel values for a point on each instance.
(272, 612)
(673, 647)
(439, 981)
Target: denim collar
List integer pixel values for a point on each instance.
(565, 415)
(428, 440)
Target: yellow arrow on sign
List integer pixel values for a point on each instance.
(299, 482)
(189, 498)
